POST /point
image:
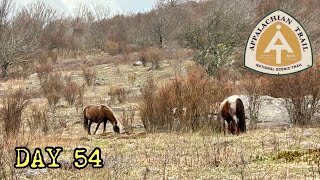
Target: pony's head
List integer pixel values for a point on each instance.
(116, 129)
(111, 117)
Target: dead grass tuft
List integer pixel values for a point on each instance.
(11, 112)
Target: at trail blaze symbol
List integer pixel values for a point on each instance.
(274, 45)
(278, 45)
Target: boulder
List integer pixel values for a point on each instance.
(138, 63)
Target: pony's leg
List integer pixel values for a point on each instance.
(236, 124)
(238, 129)
(222, 124)
(230, 128)
(97, 128)
(89, 128)
(104, 126)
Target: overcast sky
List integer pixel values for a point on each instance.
(115, 5)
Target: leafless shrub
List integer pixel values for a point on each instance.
(2, 163)
(11, 112)
(21, 70)
(115, 48)
(52, 82)
(38, 120)
(89, 75)
(43, 70)
(70, 90)
(132, 77)
(254, 89)
(128, 118)
(53, 99)
(151, 55)
(52, 85)
(118, 93)
(183, 54)
(143, 58)
(187, 103)
(79, 100)
(6, 171)
(53, 54)
(300, 93)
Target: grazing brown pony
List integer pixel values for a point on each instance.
(99, 114)
(232, 111)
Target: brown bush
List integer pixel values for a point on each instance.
(151, 55)
(38, 121)
(115, 48)
(186, 103)
(79, 100)
(124, 48)
(51, 82)
(118, 93)
(54, 55)
(6, 171)
(11, 112)
(252, 85)
(128, 118)
(112, 47)
(132, 77)
(53, 98)
(71, 91)
(52, 86)
(143, 58)
(300, 93)
(2, 162)
(89, 75)
(43, 70)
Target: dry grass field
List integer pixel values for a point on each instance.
(262, 154)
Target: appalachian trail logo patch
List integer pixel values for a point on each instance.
(278, 45)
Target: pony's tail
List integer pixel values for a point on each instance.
(241, 115)
(85, 120)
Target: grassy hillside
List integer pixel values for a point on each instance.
(272, 153)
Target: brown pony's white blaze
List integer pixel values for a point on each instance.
(232, 111)
(99, 114)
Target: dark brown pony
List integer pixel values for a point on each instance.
(232, 111)
(99, 114)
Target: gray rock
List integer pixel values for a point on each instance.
(138, 63)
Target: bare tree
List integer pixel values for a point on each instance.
(19, 39)
(163, 20)
(98, 29)
(218, 33)
(101, 10)
(6, 10)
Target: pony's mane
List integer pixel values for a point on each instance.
(106, 108)
(100, 106)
